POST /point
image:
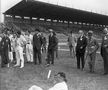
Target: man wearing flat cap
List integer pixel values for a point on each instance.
(92, 47)
(104, 50)
(37, 44)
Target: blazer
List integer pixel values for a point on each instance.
(37, 41)
(104, 45)
(5, 44)
(81, 43)
(53, 41)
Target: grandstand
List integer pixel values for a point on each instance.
(31, 14)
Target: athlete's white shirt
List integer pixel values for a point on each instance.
(21, 41)
(29, 38)
(60, 86)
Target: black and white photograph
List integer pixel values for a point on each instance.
(53, 44)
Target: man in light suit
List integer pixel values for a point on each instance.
(92, 47)
(37, 44)
(104, 50)
(80, 49)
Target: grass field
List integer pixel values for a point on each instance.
(14, 78)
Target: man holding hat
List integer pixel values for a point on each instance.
(92, 47)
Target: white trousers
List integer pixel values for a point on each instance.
(29, 52)
(19, 56)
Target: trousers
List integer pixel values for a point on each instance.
(37, 55)
(104, 54)
(50, 56)
(19, 56)
(80, 58)
(29, 52)
(91, 61)
(4, 57)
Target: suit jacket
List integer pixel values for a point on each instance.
(5, 44)
(52, 42)
(104, 45)
(37, 41)
(81, 43)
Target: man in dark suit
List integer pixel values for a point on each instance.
(51, 47)
(5, 47)
(104, 50)
(80, 49)
(37, 43)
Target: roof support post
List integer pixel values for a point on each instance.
(13, 17)
(68, 24)
(4, 18)
(51, 22)
(22, 19)
(30, 20)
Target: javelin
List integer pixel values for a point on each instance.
(49, 74)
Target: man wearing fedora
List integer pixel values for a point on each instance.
(37, 44)
(51, 47)
(104, 50)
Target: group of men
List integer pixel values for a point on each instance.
(13, 46)
(85, 48)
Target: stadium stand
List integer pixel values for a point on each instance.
(27, 14)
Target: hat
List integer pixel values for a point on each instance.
(90, 32)
(19, 32)
(37, 30)
(51, 30)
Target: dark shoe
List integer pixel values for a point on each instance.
(105, 73)
(35, 63)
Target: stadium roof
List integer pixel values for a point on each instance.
(33, 8)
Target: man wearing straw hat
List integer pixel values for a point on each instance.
(92, 47)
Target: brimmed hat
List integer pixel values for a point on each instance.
(37, 30)
(51, 30)
(19, 32)
(90, 32)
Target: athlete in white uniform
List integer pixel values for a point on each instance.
(20, 42)
(60, 80)
(29, 47)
